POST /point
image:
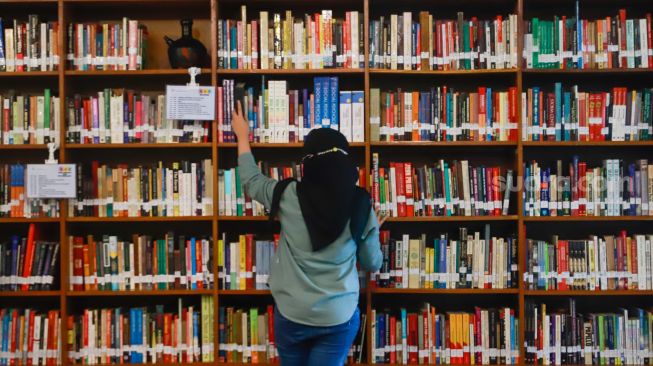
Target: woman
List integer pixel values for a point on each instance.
(314, 280)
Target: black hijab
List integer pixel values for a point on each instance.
(328, 185)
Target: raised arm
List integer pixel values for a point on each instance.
(369, 250)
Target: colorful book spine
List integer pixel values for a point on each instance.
(13, 201)
(247, 335)
(410, 41)
(29, 119)
(258, 258)
(30, 265)
(30, 337)
(29, 45)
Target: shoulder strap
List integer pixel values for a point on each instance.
(276, 196)
(361, 214)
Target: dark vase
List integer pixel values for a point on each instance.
(186, 51)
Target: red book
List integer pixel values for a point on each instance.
(401, 190)
(649, 39)
(633, 261)
(623, 62)
(291, 116)
(582, 191)
(12, 335)
(512, 114)
(410, 201)
(30, 337)
(550, 116)
(52, 334)
(271, 330)
(167, 340)
(249, 249)
(29, 254)
(425, 335)
(412, 339)
(198, 262)
(393, 339)
(496, 188)
(601, 113)
(563, 257)
(138, 119)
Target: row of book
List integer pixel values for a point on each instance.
(29, 45)
(30, 337)
(245, 264)
(608, 262)
(310, 41)
(277, 114)
(14, 202)
(112, 45)
(246, 335)
(574, 43)
(443, 114)
(27, 263)
(159, 190)
(142, 263)
(475, 260)
(399, 41)
(29, 119)
(116, 116)
(566, 337)
(613, 188)
(151, 334)
(482, 337)
(573, 115)
(404, 189)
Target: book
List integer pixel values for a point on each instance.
(28, 265)
(29, 45)
(160, 189)
(277, 114)
(13, 201)
(569, 42)
(31, 336)
(427, 336)
(29, 118)
(117, 116)
(148, 334)
(410, 41)
(572, 115)
(443, 113)
(111, 45)
(246, 335)
(605, 189)
(142, 263)
(258, 256)
(473, 260)
(440, 189)
(319, 40)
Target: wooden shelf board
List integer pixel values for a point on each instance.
(151, 72)
(586, 218)
(242, 218)
(452, 218)
(140, 219)
(22, 220)
(443, 72)
(29, 74)
(586, 143)
(21, 293)
(25, 147)
(290, 71)
(243, 292)
(444, 143)
(180, 145)
(435, 291)
(586, 71)
(588, 293)
(280, 145)
(100, 293)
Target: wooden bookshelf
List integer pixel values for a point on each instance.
(68, 80)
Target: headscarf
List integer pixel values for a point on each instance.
(326, 190)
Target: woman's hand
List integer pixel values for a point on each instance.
(380, 216)
(239, 124)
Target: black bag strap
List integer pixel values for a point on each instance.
(359, 218)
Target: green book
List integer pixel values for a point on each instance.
(46, 114)
(239, 195)
(161, 261)
(535, 25)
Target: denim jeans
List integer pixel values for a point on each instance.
(304, 345)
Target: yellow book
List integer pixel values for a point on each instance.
(413, 263)
(175, 188)
(242, 260)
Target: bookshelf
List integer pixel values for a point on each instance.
(162, 18)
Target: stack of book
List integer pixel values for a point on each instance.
(312, 41)
(28, 263)
(608, 262)
(567, 337)
(443, 114)
(13, 200)
(246, 335)
(444, 189)
(30, 45)
(572, 115)
(278, 115)
(30, 337)
(142, 334)
(160, 190)
(574, 43)
(116, 116)
(142, 263)
(116, 45)
(399, 42)
(483, 337)
(476, 260)
(29, 119)
(615, 188)
(245, 264)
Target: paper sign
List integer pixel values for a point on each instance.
(190, 102)
(51, 181)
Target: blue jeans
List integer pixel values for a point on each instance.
(304, 345)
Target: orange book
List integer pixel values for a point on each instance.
(198, 262)
(86, 267)
(415, 122)
(29, 254)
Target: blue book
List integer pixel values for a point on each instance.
(193, 262)
(334, 102)
(558, 119)
(443, 260)
(325, 101)
(436, 262)
(196, 327)
(381, 330)
(15, 240)
(536, 113)
(306, 123)
(2, 43)
(566, 122)
(544, 193)
(404, 331)
(234, 43)
(5, 339)
(317, 92)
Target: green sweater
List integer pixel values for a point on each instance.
(312, 288)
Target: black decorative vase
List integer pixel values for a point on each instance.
(186, 51)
